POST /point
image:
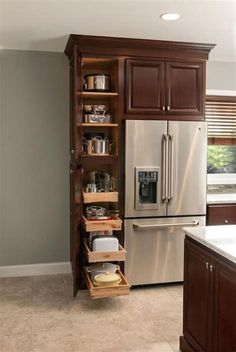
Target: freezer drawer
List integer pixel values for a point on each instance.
(155, 249)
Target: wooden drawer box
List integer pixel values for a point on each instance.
(114, 224)
(97, 257)
(221, 214)
(122, 289)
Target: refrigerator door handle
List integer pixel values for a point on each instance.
(164, 190)
(170, 168)
(161, 226)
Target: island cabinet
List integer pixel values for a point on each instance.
(209, 301)
(221, 214)
(148, 79)
(170, 90)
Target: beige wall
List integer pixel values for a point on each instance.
(34, 157)
(221, 75)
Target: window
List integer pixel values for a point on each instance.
(221, 117)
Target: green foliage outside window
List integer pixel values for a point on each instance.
(221, 159)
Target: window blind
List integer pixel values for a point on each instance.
(220, 113)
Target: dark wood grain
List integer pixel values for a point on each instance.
(98, 45)
(218, 294)
(184, 88)
(221, 214)
(145, 87)
(196, 326)
(224, 315)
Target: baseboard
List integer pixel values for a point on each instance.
(35, 269)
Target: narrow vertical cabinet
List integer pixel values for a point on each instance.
(95, 173)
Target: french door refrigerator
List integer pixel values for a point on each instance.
(165, 190)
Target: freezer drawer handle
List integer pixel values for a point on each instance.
(160, 226)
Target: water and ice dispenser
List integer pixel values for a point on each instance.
(147, 188)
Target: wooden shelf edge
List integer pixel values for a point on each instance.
(99, 124)
(100, 197)
(97, 257)
(114, 224)
(104, 94)
(96, 292)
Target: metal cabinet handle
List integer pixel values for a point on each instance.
(72, 152)
(207, 266)
(160, 226)
(163, 108)
(168, 108)
(226, 221)
(212, 268)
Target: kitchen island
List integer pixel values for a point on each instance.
(209, 290)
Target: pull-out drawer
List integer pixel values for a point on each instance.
(97, 257)
(114, 224)
(221, 214)
(107, 291)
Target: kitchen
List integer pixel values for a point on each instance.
(136, 193)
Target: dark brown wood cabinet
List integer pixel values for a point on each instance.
(197, 297)
(221, 214)
(147, 76)
(171, 90)
(209, 301)
(224, 301)
(185, 86)
(144, 87)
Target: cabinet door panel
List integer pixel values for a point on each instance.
(225, 308)
(221, 214)
(197, 286)
(184, 88)
(144, 87)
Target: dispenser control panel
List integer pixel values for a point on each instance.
(146, 188)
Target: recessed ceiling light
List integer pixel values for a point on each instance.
(170, 16)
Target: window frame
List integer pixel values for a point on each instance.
(221, 178)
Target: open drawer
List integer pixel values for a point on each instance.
(107, 291)
(96, 257)
(114, 224)
(100, 197)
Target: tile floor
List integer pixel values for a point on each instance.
(39, 314)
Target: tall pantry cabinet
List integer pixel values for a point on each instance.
(149, 80)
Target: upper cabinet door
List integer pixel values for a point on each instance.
(185, 89)
(145, 87)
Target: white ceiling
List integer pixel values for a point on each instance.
(46, 24)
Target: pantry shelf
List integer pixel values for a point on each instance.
(99, 124)
(96, 257)
(98, 94)
(100, 197)
(114, 224)
(107, 291)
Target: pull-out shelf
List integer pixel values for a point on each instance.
(107, 291)
(96, 257)
(114, 224)
(100, 197)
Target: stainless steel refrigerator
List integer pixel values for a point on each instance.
(165, 190)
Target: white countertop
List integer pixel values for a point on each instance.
(221, 198)
(221, 239)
